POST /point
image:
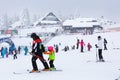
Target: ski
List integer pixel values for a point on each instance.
(46, 70)
(55, 70)
(98, 61)
(28, 72)
(116, 48)
(19, 73)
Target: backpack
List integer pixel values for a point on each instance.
(41, 46)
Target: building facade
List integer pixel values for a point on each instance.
(81, 25)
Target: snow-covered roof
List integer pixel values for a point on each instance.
(50, 18)
(49, 22)
(18, 23)
(68, 22)
(81, 22)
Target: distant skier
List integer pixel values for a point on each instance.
(2, 52)
(56, 48)
(65, 48)
(13, 50)
(77, 44)
(105, 44)
(82, 45)
(26, 50)
(89, 46)
(99, 45)
(51, 53)
(73, 47)
(19, 49)
(6, 52)
(37, 52)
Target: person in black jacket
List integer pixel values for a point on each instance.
(37, 52)
(105, 44)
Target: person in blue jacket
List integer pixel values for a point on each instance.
(26, 50)
(13, 50)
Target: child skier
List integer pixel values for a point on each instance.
(89, 46)
(51, 58)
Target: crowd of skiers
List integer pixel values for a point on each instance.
(12, 50)
(100, 46)
(79, 44)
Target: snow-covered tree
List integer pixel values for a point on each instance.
(4, 21)
(34, 18)
(25, 18)
(15, 18)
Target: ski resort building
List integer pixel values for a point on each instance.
(50, 20)
(82, 25)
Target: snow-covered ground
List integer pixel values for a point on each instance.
(75, 65)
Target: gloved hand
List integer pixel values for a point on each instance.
(32, 54)
(96, 46)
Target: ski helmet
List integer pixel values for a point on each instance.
(99, 37)
(33, 35)
(50, 48)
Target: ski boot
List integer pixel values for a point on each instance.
(34, 71)
(45, 69)
(101, 60)
(52, 69)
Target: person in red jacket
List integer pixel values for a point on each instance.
(37, 52)
(89, 46)
(82, 44)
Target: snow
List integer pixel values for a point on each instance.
(49, 22)
(18, 23)
(40, 29)
(75, 65)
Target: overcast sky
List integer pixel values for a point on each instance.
(85, 8)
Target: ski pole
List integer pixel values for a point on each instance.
(96, 53)
(41, 58)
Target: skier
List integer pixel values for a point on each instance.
(99, 45)
(56, 48)
(51, 58)
(2, 52)
(19, 49)
(37, 50)
(73, 47)
(26, 50)
(89, 46)
(13, 50)
(6, 52)
(14, 54)
(105, 43)
(82, 44)
(77, 44)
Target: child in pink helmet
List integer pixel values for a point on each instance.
(51, 58)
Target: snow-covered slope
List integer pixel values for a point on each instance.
(75, 65)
